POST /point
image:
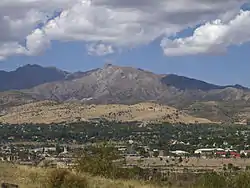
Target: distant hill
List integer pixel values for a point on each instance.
(123, 85)
(185, 83)
(29, 76)
(49, 111)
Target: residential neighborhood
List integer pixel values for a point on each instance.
(149, 146)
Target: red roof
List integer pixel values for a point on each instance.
(235, 154)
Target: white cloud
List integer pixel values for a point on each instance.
(11, 48)
(213, 37)
(37, 42)
(132, 22)
(117, 23)
(20, 18)
(99, 49)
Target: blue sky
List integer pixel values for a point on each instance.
(230, 67)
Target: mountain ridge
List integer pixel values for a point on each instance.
(67, 75)
(182, 81)
(114, 84)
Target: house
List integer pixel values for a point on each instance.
(234, 154)
(228, 153)
(246, 152)
(208, 151)
(179, 152)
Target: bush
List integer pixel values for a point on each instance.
(241, 181)
(230, 166)
(65, 179)
(99, 162)
(212, 180)
(57, 178)
(74, 181)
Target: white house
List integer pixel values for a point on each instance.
(208, 150)
(179, 152)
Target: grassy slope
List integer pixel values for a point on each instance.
(27, 177)
(48, 112)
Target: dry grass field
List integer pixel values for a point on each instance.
(191, 163)
(32, 177)
(51, 112)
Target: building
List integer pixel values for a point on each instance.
(208, 151)
(224, 154)
(179, 153)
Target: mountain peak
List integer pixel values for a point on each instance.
(237, 86)
(184, 83)
(29, 66)
(28, 76)
(107, 65)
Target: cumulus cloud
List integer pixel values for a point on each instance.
(20, 18)
(99, 49)
(11, 48)
(117, 23)
(137, 22)
(213, 37)
(37, 42)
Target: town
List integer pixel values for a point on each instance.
(178, 148)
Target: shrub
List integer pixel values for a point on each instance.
(241, 181)
(99, 162)
(56, 178)
(212, 180)
(65, 179)
(230, 166)
(75, 181)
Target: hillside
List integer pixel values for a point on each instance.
(29, 76)
(126, 85)
(183, 83)
(33, 177)
(51, 112)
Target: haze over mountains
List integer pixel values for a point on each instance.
(124, 85)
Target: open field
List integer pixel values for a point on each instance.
(51, 112)
(192, 164)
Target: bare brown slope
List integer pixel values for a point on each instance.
(49, 112)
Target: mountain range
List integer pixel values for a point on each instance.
(113, 84)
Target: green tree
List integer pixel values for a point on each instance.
(242, 155)
(230, 166)
(142, 152)
(180, 160)
(248, 155)
(58, 149)
(156, 153)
